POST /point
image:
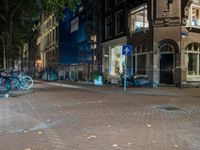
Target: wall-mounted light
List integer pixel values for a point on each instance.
(184, 34)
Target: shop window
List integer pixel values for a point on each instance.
(140, 62)
(193, 59)
(138, 19)
(116, 61)
(119, 22)
(108, 27)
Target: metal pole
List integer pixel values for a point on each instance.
(125, 74)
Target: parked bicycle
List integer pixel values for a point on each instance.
(26, 81)
(129, 80)
(5, 85)
(142, 82)
(15, 82)
(137, 81)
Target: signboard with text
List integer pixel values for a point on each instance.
(74, 24)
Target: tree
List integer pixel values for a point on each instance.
(17, 18)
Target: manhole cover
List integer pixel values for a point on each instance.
(168, 107)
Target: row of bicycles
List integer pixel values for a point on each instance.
(12, 81)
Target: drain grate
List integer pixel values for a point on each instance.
(168, 107)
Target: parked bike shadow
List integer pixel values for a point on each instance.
(16, 93)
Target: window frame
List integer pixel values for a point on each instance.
(106, 33)
(118, 2)
(193, 51)
(136, 54)
(189, 22)
(134, 11)
(116, 25)
(106, 5)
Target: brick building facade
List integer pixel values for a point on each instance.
(165, 35)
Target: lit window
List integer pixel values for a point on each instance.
(119, 22)
(196, 16)
(193, 59)
(138, 19)
(108, 27)
(116, 61)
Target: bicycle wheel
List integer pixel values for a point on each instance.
(26, 82)
(15, 83)
(5, 85)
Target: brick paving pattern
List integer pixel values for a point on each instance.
(101, 118)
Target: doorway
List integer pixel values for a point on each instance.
(166, 68)
(167, 64)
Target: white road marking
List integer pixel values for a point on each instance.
(65, 85)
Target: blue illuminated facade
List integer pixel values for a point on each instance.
(75, 54)
(74, 47)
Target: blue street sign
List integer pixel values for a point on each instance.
(127, 49)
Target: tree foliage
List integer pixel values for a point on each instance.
(17, 18)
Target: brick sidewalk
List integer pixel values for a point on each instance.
(160, 91)
(67, 118)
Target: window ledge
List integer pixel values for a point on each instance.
(119, 33)
(140, 75)
(139, 32)
(117, 4)
(193, 28)
(108, 37)
(108, 9)
(193, 78)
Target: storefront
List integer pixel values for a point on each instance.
(113, 60)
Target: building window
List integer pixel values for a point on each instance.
(116, 61)
(141, 64)
(108, 27)
(140, 60)
(119, 22)
(138, 19)
(108, 4)
(193, 59)
(194, 17)
(166, 48)
(118, 2)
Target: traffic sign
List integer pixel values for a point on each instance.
(127, 49)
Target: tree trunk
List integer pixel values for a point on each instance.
(4, 50)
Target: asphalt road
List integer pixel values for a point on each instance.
(76, 117)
